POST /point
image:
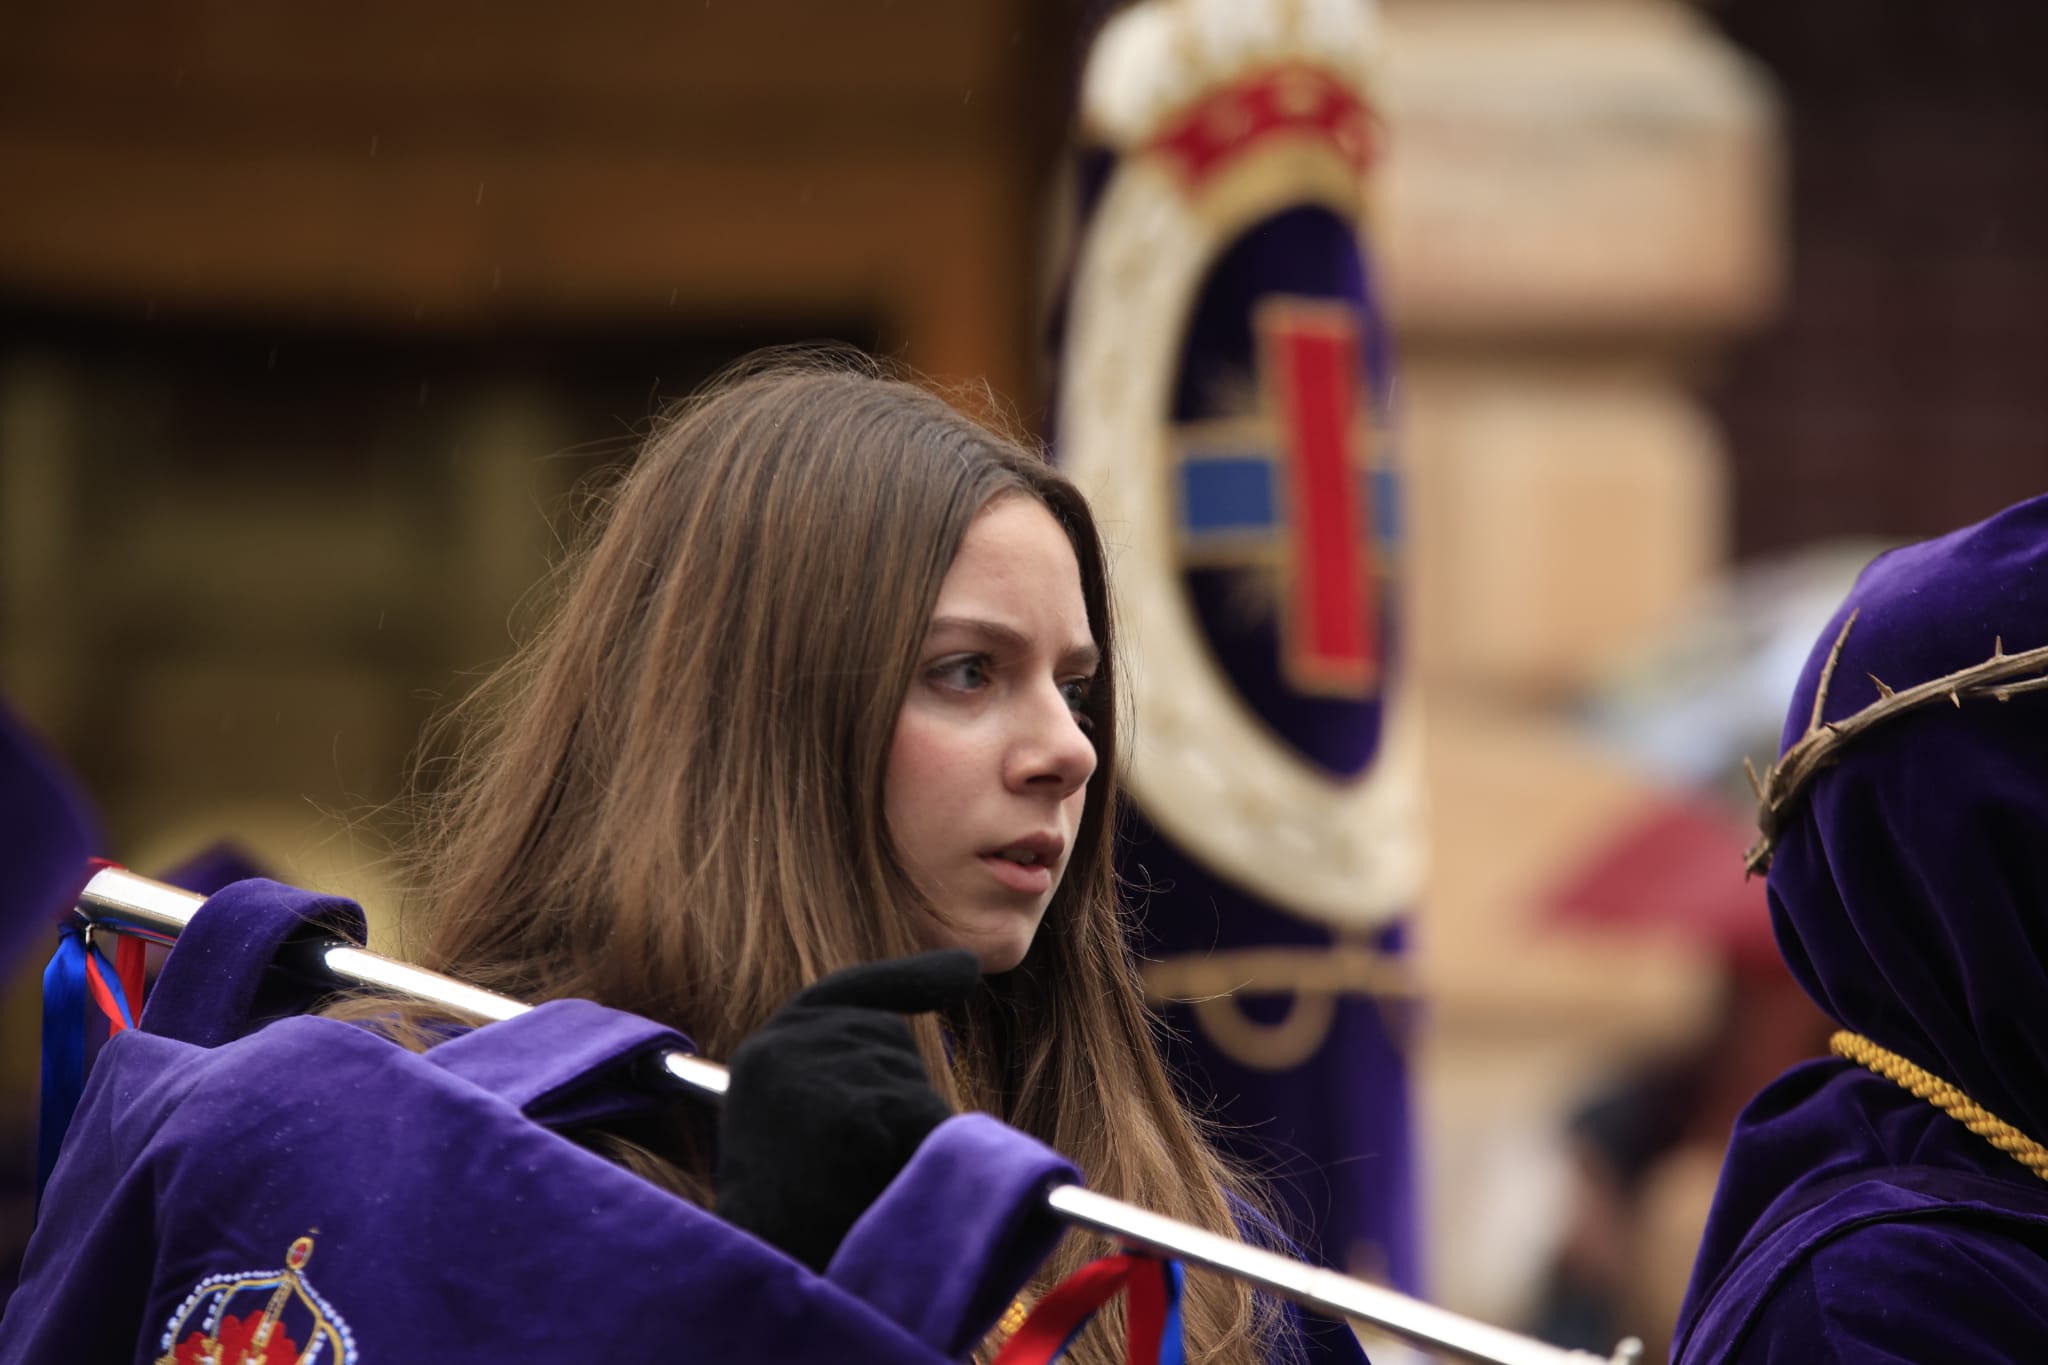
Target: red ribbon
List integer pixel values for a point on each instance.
(1067, 1307)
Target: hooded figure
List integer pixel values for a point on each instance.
(1856, 1220)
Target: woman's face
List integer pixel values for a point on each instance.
(989, 767)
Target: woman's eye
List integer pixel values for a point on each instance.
(1076, 691)
(964, 673)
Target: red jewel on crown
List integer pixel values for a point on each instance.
(1297, 101)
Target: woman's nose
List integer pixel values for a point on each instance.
(1053, 751)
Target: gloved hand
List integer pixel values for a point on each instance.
(828, 1100)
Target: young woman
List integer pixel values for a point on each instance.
(833, 682)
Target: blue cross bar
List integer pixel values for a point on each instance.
(1227, 496)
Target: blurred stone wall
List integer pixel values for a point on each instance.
(1581, 204)
(312, 320)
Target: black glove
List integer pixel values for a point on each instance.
(828, 1100)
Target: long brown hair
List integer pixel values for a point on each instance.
(670, 799)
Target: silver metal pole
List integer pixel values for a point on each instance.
(121, 901)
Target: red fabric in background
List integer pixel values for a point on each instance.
(1675, 869)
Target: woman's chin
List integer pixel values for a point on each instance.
(1002, 948)
(997, 958)
(1000, 941)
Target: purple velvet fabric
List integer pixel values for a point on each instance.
(223, 989)
(1910, 898)
(441, 1216)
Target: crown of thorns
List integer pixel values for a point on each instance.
(2001, 677)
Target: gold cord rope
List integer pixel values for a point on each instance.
(1013, 1318)
(1925, 1085)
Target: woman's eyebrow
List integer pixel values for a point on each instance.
(1085, 657)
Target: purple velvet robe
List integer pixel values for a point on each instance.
(239, 1168)
(1855, 1222)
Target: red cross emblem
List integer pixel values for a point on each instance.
(1293, 488)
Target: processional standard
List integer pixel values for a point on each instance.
(119, 901)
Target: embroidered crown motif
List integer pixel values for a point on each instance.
(258, 1317)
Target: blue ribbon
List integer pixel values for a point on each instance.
(1172, 1347)
(65, 1022)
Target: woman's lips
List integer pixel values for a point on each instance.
(1032, 880)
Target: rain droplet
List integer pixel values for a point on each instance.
(479, 191)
